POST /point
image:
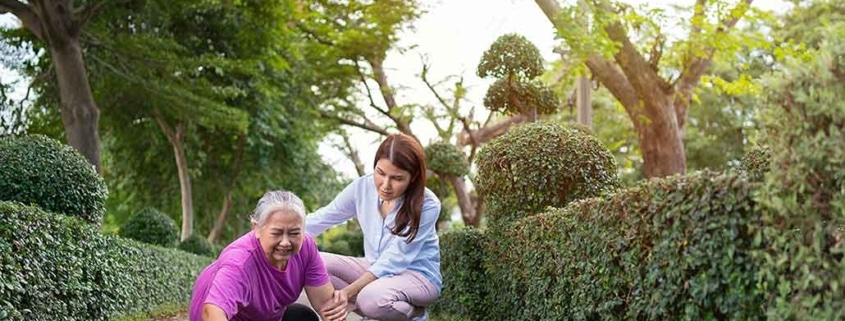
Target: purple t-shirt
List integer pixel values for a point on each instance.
(246, 286)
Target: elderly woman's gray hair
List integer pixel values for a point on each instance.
(277, 201)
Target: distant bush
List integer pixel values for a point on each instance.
(198, 245)
(54, 267)
(462, 264)
(445, 159)
(152, 227)
(538, 165)
(349, 243)
(41, 171)
(670, 249)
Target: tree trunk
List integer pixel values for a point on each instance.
(468, 212)
(216, 230)
(176, 138)
(661, 143)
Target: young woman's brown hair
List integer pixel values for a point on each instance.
(406, 153)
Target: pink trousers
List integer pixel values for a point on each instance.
(391, 298)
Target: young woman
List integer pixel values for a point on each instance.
(260, 275)
(400, 273)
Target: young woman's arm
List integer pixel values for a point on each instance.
(340, 210)
(330, 304)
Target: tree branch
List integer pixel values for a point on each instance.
(696, 64)
(26, 14)
(485, 134)
(369, 126)
(84, 14)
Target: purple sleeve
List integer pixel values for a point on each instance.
(228, 289)
(315, 271)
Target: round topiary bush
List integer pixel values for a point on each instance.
(196, 244)
(540, 164)
(152, 227)
(445, 159)
(41, 171)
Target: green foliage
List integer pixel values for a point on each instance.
(804, 199)
(196, 244)
(445, 159)
(756, 162)
(538, 165)
(669, 249)
(511, 55)
(462, 257)
(343, 242)
(54, 267)
(515, 97)
(152, 227)
(516, 63)
(41, 171)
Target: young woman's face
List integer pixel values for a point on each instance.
(280, 236)
(391, 181)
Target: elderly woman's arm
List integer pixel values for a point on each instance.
(211, 312)
(330, 304)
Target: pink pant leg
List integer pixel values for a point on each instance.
(344, 270)
(395, 298)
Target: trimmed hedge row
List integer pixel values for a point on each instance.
(54, 267)
(151, 226)
(41, 171)
(670, 249)
(462, 264)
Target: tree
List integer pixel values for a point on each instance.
(655, 92)
(58, 24)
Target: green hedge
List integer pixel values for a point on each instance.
(541, 164)
(54, 267)
(349, 243)
(152, 227)
(670, 249)
(465, 293)
(804, 198)
(41, 171)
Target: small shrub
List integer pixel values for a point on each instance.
(538, 165)
(349, 243)
(465, 292)
(445, 159)
(41, 171)
(198, 245)
(152, 227)
(54, 267)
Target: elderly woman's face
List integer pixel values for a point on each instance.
(280, 236)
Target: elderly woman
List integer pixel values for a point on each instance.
(260, 275)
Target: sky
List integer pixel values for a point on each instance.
(453, 34)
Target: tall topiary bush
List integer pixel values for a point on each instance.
(541, 164)
(804, 194)
(466, 294)
(152, 227)
(41, 171)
